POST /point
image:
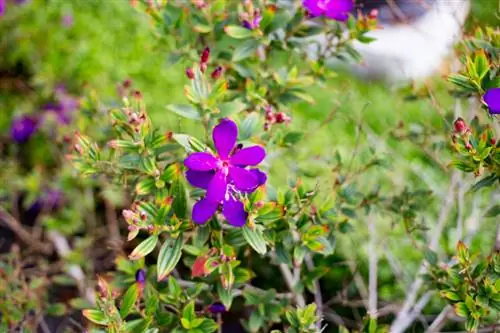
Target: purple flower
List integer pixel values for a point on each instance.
(217, 307)
(492, 100)
(67, 20)
(252, 24)
(225, 176)
(23, 128)
(140, 277)
(49, 201)
(64, 107)
(2, 7)
(334, 9)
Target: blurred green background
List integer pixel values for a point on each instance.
(109, 41)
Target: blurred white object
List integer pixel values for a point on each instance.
(415, 38)
(417, 49)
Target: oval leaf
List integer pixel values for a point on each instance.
(145, 248)
(170, 254)
(255, 239)
(95, 316)
(238, 32)
(129, 300)
(186, 111)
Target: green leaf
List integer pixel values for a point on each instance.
(452, 296)
(95, 316)
(170, 254)
(471, 324)
(485, 182)
(179, 193)
(203, 28)
(431, 256)
(225, 296)
(57, 309)
(255, 239)
(229, 108)
(145, 186)
(493, 211)
(292, 138)
(245, 50)
(189, 143)
(129, 299)
(186, 111)
(255, 322)
(208, 326)
(238, 32)
(188, 315)
(144, 248)
(461, 310)
(249, 126)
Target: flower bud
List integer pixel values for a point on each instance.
(460, 126)
(493, 141)
(282, 118)
(205, 55)
(203, 67)
(137, 94)
(190, 73)
(217, 73)
(129, 216)
(217, 307)
(140, 277)
(373, 15)
(127, 83)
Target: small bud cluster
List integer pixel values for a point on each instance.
(203, 65)
(251, 17)
(275, 118)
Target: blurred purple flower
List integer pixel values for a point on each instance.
(252, 24)
(50, 201)
(140, 277)
(492, 100)
(2, 7)
(23, 128)
(334, 9)
(64, 107)
(225, 176)
(217, 307)
(67, 20)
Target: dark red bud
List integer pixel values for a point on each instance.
(460, 126)
(493, 141)
(127, 83)
(468, 146)
(137, 94)
(205, 55)
(217, 72)
(190, 73)
(373, 14)
(266, 126)
(282, 118)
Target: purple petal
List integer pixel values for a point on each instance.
(315, 7)
(492, 99)
(339, 9)
(23, 128)
(261, 178)
(248, 156)
(217, 188)
(2, 7)
(234, 212)
(201, 161)
(225, 135)
(199, 179)
(244, 180)
(203, 210)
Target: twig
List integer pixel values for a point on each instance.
(290, 283)
(63, 249)
(318, 298)
(24, 235)
(406, 316)
(372, 274)
(113, 226)
(440, 321)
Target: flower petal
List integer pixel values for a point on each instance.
(225, 135)
(314, 7)
(199, 179)
(234, 212)
(201, 161)
(203, 210)
(217, 188)
(244, 180)
(261, 180)
(248, 156)
(339, 9)
(492, 99)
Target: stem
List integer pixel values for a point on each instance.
(372, 252)
(24, 235)
(318, 298)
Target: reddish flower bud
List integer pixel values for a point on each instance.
(267, 126)
(127, 83)
(460, 126)
(137, 94)
(468, 146)
(373, 14)
(282, 118)
(217, 73)
(493, 141)
(203, 67)
(205, 55)
(190, 73)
